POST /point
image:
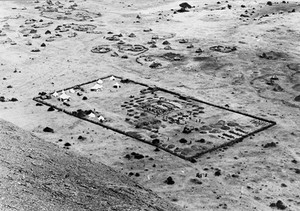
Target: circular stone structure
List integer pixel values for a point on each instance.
(223, 49)
(101, 49)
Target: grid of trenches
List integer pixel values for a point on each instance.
(181, 125)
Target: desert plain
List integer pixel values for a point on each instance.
(66, 65)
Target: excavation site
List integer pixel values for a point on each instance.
(145, 105)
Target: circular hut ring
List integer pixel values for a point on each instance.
(223, 49)
(83, 27)
(101, 49)
(137, 49)
(173, 56)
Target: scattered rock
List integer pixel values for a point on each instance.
(169, 181)
(81, 138)
(51, 109)
(297, 98)
(283, 185)
(155, 65)
(272, 55)
(279, 205)
(294, 161)
(218, 173)
(13, 99)
(155, 141)
(183, 140)
(130, 174)
(166, 42)
(67, 144)
(184, 6)
(48, 130)
(195, 181)
(269, 145)
(127, 156)
(187, 129)
(137, 155)
(297, 171)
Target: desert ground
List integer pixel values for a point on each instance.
(243, 56)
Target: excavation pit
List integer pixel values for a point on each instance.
(156, 116)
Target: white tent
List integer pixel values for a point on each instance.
(99, 81)
(92, 115)
(55, 94)
(117, 85)
(112, 78)
(97, 87)
(101, 118)
(64, 96)
(72, 91)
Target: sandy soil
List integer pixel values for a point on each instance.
(260, 77)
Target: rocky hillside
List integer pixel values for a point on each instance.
(36, 175)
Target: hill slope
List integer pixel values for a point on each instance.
(36, 175)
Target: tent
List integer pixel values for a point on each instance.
(55, 94)
(92, 115)
(99, 81)
(112, 78)
(117, 85)
(101, 118)
(72, 91)
(64, 96)
(97, 87)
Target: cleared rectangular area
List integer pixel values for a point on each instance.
(181, 125)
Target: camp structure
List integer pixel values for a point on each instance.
(117, 85)
(64, 97)
(100, 81)
(97, 87)
(91, 115)
(55, 94)
(112, 78)
(72, 91)
(101, 118)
